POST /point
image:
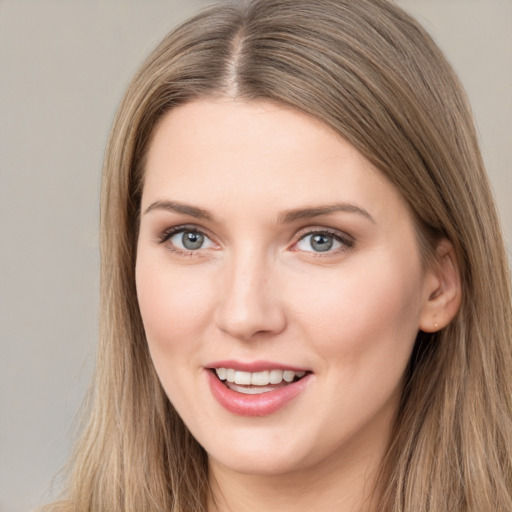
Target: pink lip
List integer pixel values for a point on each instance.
(254, 366)
(254, 405)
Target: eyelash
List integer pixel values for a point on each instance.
(169, 233)
(346, 241)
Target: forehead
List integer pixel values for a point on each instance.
(217, 151)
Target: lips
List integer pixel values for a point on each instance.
(259, 392)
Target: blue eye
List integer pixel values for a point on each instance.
(321, 242)
(187, 240)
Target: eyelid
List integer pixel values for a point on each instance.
(167, 234)
(344, 238)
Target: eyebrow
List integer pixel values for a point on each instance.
(176, 207)
(317, 211)
(285, 217)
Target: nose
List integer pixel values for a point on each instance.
(250, 305)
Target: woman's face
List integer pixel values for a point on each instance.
(271, 251)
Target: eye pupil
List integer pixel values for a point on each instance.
(192, 240)
(321, 243)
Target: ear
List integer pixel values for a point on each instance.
(443, 289)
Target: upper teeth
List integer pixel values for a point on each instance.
(263, 378)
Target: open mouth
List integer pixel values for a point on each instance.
(252, 383)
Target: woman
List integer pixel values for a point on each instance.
(305, 294)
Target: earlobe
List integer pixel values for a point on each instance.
(444, 291)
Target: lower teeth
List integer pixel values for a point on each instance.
(253, 390)
(256, 390)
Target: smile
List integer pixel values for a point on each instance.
(252, 383)
(256, 393)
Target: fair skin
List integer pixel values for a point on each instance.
(267, 242)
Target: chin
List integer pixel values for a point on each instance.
(257, 465)
(263, 456)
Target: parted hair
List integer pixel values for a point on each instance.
(372, 74)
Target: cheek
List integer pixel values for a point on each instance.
(368, 310)
(173, 305)
(362, 325)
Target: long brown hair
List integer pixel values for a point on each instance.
(372, 74)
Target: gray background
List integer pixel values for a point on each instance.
(63, 67)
